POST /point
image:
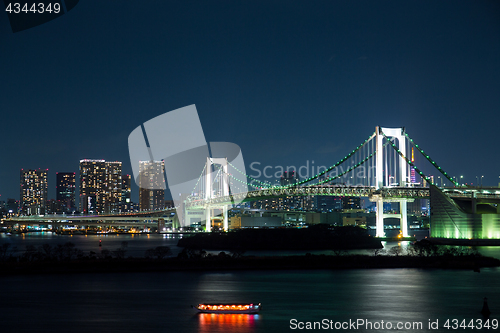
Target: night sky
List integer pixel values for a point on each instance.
(288, 81)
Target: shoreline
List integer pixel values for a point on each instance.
(225, 263)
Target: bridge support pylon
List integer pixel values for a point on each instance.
(382, 178)
(403, 215)
(403, 208)
(223, 190)
(380, 217)
(226, 222)
(208, 220)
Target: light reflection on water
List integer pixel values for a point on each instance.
(137, 244)
(240, 323)
(160, 302)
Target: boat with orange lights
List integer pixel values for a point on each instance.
(228, 308)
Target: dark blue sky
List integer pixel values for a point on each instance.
(288, 81)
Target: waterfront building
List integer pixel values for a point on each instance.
(12, 206)
(100, 186)
(151, 185)
(92, 174)
(126, 199)
(33, 191)
(53, 207)
(65, 191)
(113, 187)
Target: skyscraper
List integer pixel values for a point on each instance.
(65, 191)
(33, 191)
(113, 187)
(92, 175)
(151, 185)
(126, 193)
(100, 186)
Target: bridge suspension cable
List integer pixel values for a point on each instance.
(357, 149)
(406, 159)
(410, 163)
(201, 176)
(249, 177)
(433, 162)
(359, 156)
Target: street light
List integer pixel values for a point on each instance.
(482, 181)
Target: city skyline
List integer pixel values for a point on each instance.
(304, 83)
(149, 178)
(313, 152)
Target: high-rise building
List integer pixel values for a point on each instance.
(100, 186)
(151, 185)
(65, 191)
(92, 175)
(33, 192)
(53, 207)
(113, 187)
(126, 205)
(12, 206)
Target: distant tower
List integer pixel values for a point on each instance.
(151, 185)
(413, 178)
(65, 191)
(33, 191)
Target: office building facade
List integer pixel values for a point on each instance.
(65, 191)
(33, 192)
(126, 204)
(100, 186)
(151, 185)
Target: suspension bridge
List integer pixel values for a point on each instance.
(382, 168)
(379, 168)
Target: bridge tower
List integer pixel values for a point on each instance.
(223, 189)
(381, 174)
